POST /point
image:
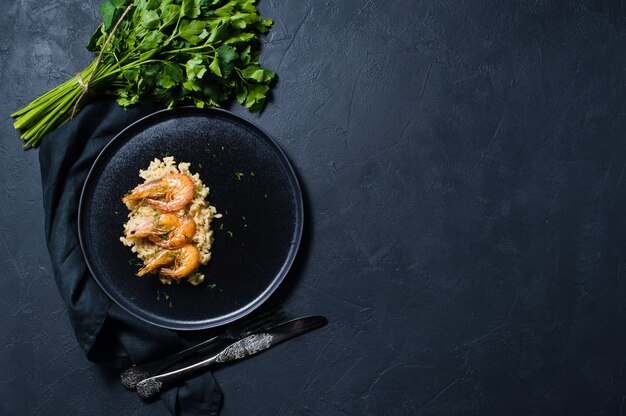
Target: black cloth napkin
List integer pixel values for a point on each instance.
(108, 334)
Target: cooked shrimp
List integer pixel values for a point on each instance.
(158, 225)
(164, 258)
(166, 230)
(187, 260)
(176, 189)
(179, 236)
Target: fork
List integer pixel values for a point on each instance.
(240, 329)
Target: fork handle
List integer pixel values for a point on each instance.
(153, 386)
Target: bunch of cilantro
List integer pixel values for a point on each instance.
(170, 51)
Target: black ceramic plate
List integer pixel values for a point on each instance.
(251, 183)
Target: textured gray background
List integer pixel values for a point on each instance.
(463, 163)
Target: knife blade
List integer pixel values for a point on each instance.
(246, 347)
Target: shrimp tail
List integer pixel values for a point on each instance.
(162, 259)
(144, 270)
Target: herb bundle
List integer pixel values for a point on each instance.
(170, 51)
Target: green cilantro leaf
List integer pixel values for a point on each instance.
(152, 40)
(215, 67)
(195, 68)
(107, 10)
(171, 76)
(227, 56)
(150, 19)
(190, 30)
(169, 13)
(190, 8)
(258, 74)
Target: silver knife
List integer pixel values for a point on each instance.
(243, 348)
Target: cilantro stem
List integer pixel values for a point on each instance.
(241, 77)
(195, 48)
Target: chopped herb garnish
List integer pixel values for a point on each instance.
(239, 175)
(251, 173)
(221, 226)
(166, 296)
(158, 295)
(200, 165)
(222, 147)
(195, 278)
(230, 233)
(212, 285)
(115, 212)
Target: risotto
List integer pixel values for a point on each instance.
(142, 213)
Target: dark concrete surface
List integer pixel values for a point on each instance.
(464, 166)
